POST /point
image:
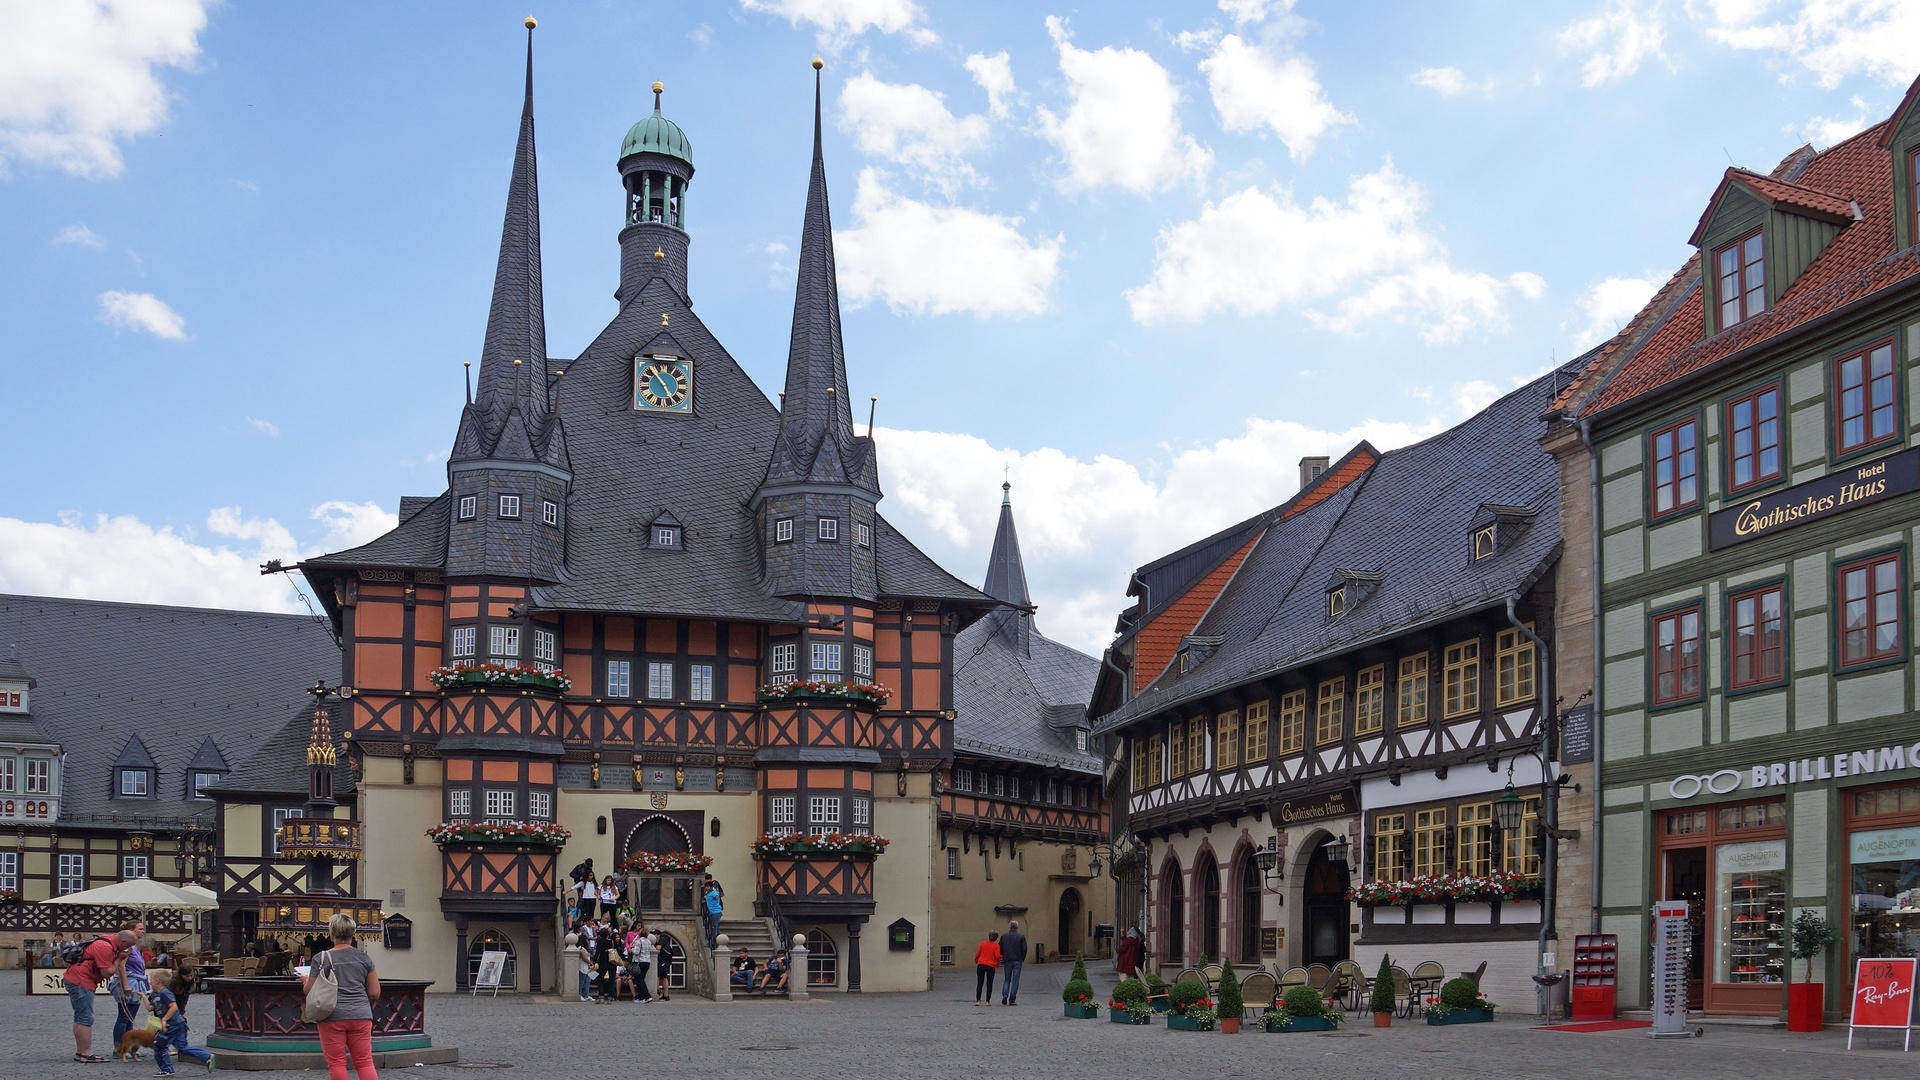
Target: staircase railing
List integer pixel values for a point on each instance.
(782, 926)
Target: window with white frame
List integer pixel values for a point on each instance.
(545, 647)
(783, 530)
(829, 528)
(509, 506)
(9, 870)
(780, 815)
(1053, 793)
(953, 871)
(785, 658)
(1083, 794)
(200, 782)
(619, 678)
(133, 867)
(823, 814)
(1080, 741)
(134, 783)
(39, 776)
(459, 804)
(280, 816)
(666, 536)
(549, 512)
(469, 507)
(659, 680)
(466, 640)
(503, 640)
(862, 815)
(499, 803)
(863, 661)
(825, 657)
(72, 875)
(540, 805)
(963, 779)
(6, 775)
(999, 785)
(700, 682)
(863, 534)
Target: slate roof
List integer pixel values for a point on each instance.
(173, 677)
(1409, 517)
(1668, 340)
(279, 766)
(1017, 695)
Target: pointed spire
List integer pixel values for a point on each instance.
(513, 358)
(1006, 573)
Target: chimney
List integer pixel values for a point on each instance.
(1310, 470)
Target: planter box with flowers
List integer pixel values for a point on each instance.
(1301, 1009)
(671, 862)
(1460, 1002)
(466, 673)
(541, 833)
(1077, 996)
(819, 844)
(1445, 888)
(9, 897)
(839, 691)
(1128, 1005)
(1192, 1009)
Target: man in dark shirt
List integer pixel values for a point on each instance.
(1013, 956)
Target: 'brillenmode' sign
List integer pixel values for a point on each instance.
(1848, 489)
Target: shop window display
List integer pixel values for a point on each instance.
(1753, 906)
(1884, 863)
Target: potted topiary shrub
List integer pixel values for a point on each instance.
(1302, 1009)
(1191, 1009)
(1128, 1005)
(1381, 1001)
(1157, 993)
(1460, 1003)
(1078, 993)
(1806, 1001)
(1229, 1004)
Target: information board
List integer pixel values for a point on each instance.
(492, 966)
(1576, 735)
(1883, 995)
(1672, 962)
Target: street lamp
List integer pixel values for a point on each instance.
(1508, 811)
(1093, 866)
(1336, 850)
(1267, 861)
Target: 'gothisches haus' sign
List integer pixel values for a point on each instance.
(1848, 489)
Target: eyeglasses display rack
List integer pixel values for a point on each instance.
(1672, 961)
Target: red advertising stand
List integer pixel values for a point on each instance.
(1883, 996)
(1596, 968)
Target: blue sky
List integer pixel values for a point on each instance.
(1141, 256)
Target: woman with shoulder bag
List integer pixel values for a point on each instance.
(345, 974)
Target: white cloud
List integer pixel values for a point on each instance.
(1253, 89)
(79, 234)
(1085, 524)
(837, 22)
(265, 427)
(995, 76)
(1122, 127)
(1245, 11)
(1256, 251)
(911, 125)
(1193, 40)
(939, 260)
(1831, 38)
(1824, 131)
(1608, 304)
(1447, 81)
(141, 311)
(1617, 41)
(78, 77)
(123, 558)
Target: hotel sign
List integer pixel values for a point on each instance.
(1332, 804)
(1848, 489)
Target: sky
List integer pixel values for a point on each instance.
(1134, 258)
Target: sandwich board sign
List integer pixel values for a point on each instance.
(1883, 995)
(492, 966)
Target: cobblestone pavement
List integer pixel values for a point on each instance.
(940, 1035)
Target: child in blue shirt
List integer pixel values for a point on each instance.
(173, 1032)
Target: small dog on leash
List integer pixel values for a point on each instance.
(131, 1042)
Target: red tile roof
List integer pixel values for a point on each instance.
(1665, 341)
(1798, 198)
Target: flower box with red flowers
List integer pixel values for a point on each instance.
(861, 693)
(474, 673)
(670, 862)
(819, 844)
(9, 897)
(499, 832)
(1455, 887)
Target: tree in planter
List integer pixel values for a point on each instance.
(1227, 1000)
(1812, 934)
(1381, 1000)
(1460, 993)
(1079, 989)
(1189, 1000)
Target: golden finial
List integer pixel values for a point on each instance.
(818, 63)
(659, 254)
(658, 86)
(532, 22)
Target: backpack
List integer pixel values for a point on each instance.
(72, 952)
(580, 873)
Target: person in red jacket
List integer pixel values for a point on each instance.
(986, 960)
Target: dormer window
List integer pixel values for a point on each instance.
(135, 783)
(509, 506)
(1495, 527)
(1348, 588)
(1482, 542)
(666, 536)
(1337, 602)
(1741, 271)
(13, 697)
(1080, 740)
(201, 780)
(469, 507)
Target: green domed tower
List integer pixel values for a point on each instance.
(656, 164)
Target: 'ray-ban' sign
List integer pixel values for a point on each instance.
(1850, 488)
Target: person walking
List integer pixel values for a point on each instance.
(100, 960)
(1128, 956)
(129, 984)
(640, 960)
(986, 959)
(172, 1035)
(1013, 956)
(714, 907)
(348, 1032)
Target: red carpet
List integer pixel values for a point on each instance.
(1599, 1025)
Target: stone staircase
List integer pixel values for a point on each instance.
(755, 936)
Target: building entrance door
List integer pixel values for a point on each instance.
(1687, 880)
(1069, 935)
(1324, 911)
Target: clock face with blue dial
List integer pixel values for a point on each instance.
(662, 384)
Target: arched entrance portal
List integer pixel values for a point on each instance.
(659, 835)
(1324, 910)
(1070, 936)
(493, 941)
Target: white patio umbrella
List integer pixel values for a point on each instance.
(211, 898)
(142, 894)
